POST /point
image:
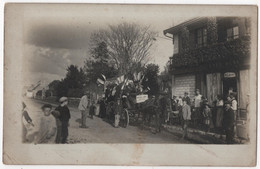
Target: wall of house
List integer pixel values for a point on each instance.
(183, 83)
(176, 44)
(224, 24)
(244, 87)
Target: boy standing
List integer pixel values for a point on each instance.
(186, 114)
(64, 119)
(207, 115)
(229, 122)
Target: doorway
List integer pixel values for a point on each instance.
(229, 86)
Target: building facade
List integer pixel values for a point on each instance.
(213, 55)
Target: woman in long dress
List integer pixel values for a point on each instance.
(219, 111)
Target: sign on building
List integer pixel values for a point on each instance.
(229, 74)
(141, 98)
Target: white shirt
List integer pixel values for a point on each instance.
(46, 128)
(220, 103)
(197, 100)
(83, 103)
(234, 105)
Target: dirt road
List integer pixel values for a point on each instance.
(100, 131)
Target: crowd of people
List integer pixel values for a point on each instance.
(52, 124)
(217, 117)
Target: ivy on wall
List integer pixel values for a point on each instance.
(212, 32)
(233, 50)
(230, 50)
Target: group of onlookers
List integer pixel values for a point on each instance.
(52, 125)
(48, 126)
(218, 117)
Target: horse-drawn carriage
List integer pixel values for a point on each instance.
(136, 108)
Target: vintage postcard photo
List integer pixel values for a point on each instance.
(111, 84)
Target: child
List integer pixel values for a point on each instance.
(207, 115)
(28, 126)
(92, 109)
(47, 126)
(64, 117)
(186, 114)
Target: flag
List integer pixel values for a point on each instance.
(120, 79)
(104, 77)
(100, 81)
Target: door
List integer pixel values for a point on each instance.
(214, 86)
(229, 84)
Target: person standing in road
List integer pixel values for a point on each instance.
(197, 105)
(186, 115)
(46, 128)
(64, 118)
(102, 108)
(83, 108)
(117, 111)
(207, 115)
(219, 112)
(228, 122)
(92, 109)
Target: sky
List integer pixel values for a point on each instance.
(57, 36)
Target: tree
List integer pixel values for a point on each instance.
(72, 85)
(99, 63)
(127, 44)
(151, 78)
(53, 87)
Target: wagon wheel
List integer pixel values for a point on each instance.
(124, 118)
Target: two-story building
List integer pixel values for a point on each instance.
(213, 55)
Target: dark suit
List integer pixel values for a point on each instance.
(63, 129)
(228, 123)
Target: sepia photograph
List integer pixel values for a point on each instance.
(132, 78)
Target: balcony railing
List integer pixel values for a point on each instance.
(235, 50)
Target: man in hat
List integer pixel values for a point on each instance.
(64, 119)
(83, 108)
(228, 122)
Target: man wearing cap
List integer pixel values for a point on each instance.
(228, 122)
(64, 118)
(83, 108)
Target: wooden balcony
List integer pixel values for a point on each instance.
(235, 53)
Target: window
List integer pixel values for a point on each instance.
(201, 37)
(232, 33)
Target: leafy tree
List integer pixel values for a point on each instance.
(99, 63)
(73, 83)
(151, 76)
(53, 87)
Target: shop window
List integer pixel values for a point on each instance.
(201, 37)
(232, 33)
